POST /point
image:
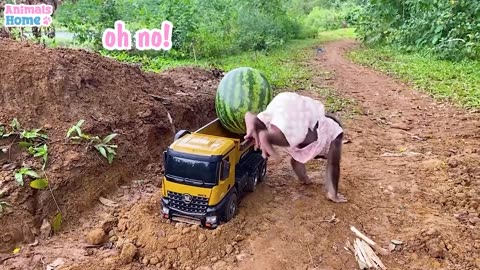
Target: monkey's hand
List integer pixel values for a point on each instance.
(266, 146)
(252, 132)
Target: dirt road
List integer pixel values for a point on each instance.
(410, 170)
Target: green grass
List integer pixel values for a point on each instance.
(458, 82)
(337, 34)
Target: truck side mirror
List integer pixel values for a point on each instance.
(225, 170)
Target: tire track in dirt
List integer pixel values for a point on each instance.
(409, 159)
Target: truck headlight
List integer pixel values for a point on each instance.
(211, 219)
(165, 211)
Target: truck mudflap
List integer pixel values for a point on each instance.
(211, 219)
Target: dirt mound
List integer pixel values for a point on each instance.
(157, 243)
(53, 89)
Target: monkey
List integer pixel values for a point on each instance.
(301, 125)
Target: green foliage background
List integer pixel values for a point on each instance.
(449, 29)
(206, 29)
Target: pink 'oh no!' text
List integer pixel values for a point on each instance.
(120, 38)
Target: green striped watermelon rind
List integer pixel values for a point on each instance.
(231, 103)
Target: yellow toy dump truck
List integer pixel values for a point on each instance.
(207, 173)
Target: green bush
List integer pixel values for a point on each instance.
(448, 28)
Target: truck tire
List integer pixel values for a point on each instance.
(231, 208)
(262, 172)
(253, 181)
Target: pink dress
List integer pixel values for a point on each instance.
(294, 114)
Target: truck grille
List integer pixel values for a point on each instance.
(197, 205)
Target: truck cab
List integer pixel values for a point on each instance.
(207, 173)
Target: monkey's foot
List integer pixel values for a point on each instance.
(339, 198)
(306, 181)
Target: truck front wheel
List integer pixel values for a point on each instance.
(231, 208)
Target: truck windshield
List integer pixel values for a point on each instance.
(189, 170)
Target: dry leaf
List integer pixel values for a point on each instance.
(34, 243)
(45, 229)
(58, 262)
(108, 202)
(397, 242)
(57, 222)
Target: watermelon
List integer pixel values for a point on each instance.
(242, 90)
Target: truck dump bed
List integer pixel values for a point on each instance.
(215, 128)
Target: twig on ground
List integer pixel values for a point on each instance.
(370, 241)
(311, 258)
(333, 219)
(51, 192)
(7, 258)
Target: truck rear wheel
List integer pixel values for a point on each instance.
(231, 208)
(262, 172)
(253, 181)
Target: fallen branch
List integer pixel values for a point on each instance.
(374, 245)
(365, 256)
(362, 263)
(2, 259)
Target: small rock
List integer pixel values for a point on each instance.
(214, 259)
(96, 236)
(436, 248)
(228, 249)
(128, 253)
(145, 261)
(184, 253)
(239, 238)
(172, 238)
(185, 230)
(154, 260)
(113, 238)
(179, 225)
(474, 220)
(453, 162)
(202, 238)
(195, 228)
(220, 265)
(432, 164)
(122, 224)
(241, 257)
(432, 232)
(109, 223)
(47, 126)
(391, 246)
